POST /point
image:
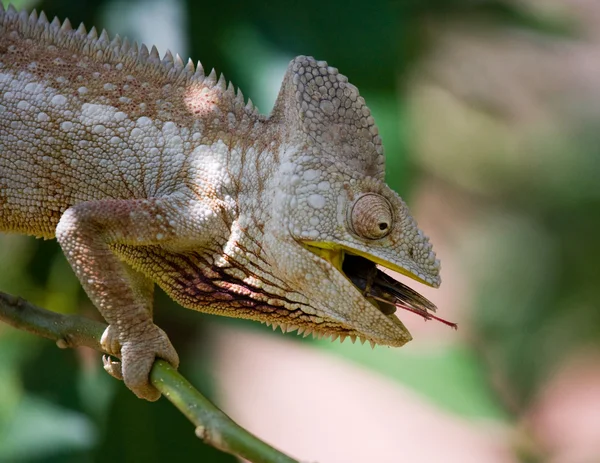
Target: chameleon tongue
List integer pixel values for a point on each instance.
(378, 286)
(423, 313)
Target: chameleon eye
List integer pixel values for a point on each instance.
(371, 216)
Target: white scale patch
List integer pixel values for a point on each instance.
(210, 162)
(58, 100)
(310, 175)
(23, 105)
(93, 114)
(316, 201)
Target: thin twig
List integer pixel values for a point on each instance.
(212, 425)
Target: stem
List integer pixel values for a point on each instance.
(212, 425)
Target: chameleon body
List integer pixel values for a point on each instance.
(148, 171)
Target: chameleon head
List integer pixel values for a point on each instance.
(337, 215)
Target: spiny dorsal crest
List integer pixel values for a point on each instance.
(331, 115)
(130, 54)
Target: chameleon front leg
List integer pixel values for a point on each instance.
(124, 298)
(143, 289)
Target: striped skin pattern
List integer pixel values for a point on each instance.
(147, 171)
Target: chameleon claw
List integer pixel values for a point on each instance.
(112, 367)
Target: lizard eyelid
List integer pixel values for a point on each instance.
(371, 216)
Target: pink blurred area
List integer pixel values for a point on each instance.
(566, 415)
(321, 408)
(454, 296)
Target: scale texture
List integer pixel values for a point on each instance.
(147, 171)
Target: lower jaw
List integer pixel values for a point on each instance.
(337, 258)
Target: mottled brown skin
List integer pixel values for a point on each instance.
(147, 171)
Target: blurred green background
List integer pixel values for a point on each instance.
(489, 113)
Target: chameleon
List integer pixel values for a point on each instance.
(150, 172)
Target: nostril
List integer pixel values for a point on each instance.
(411, 253)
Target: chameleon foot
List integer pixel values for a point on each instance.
(138, 354)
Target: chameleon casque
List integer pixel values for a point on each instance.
(148, 171)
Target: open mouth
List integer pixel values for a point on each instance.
(380, 289)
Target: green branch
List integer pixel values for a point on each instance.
(212, 425)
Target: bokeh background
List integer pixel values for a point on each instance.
(490, 115)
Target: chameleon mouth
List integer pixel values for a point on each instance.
(386, 293)
(380, 289)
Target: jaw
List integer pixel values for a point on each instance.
(381, 293)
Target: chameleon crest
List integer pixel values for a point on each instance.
(148, 171)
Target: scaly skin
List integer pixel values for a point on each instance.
(147, 171)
